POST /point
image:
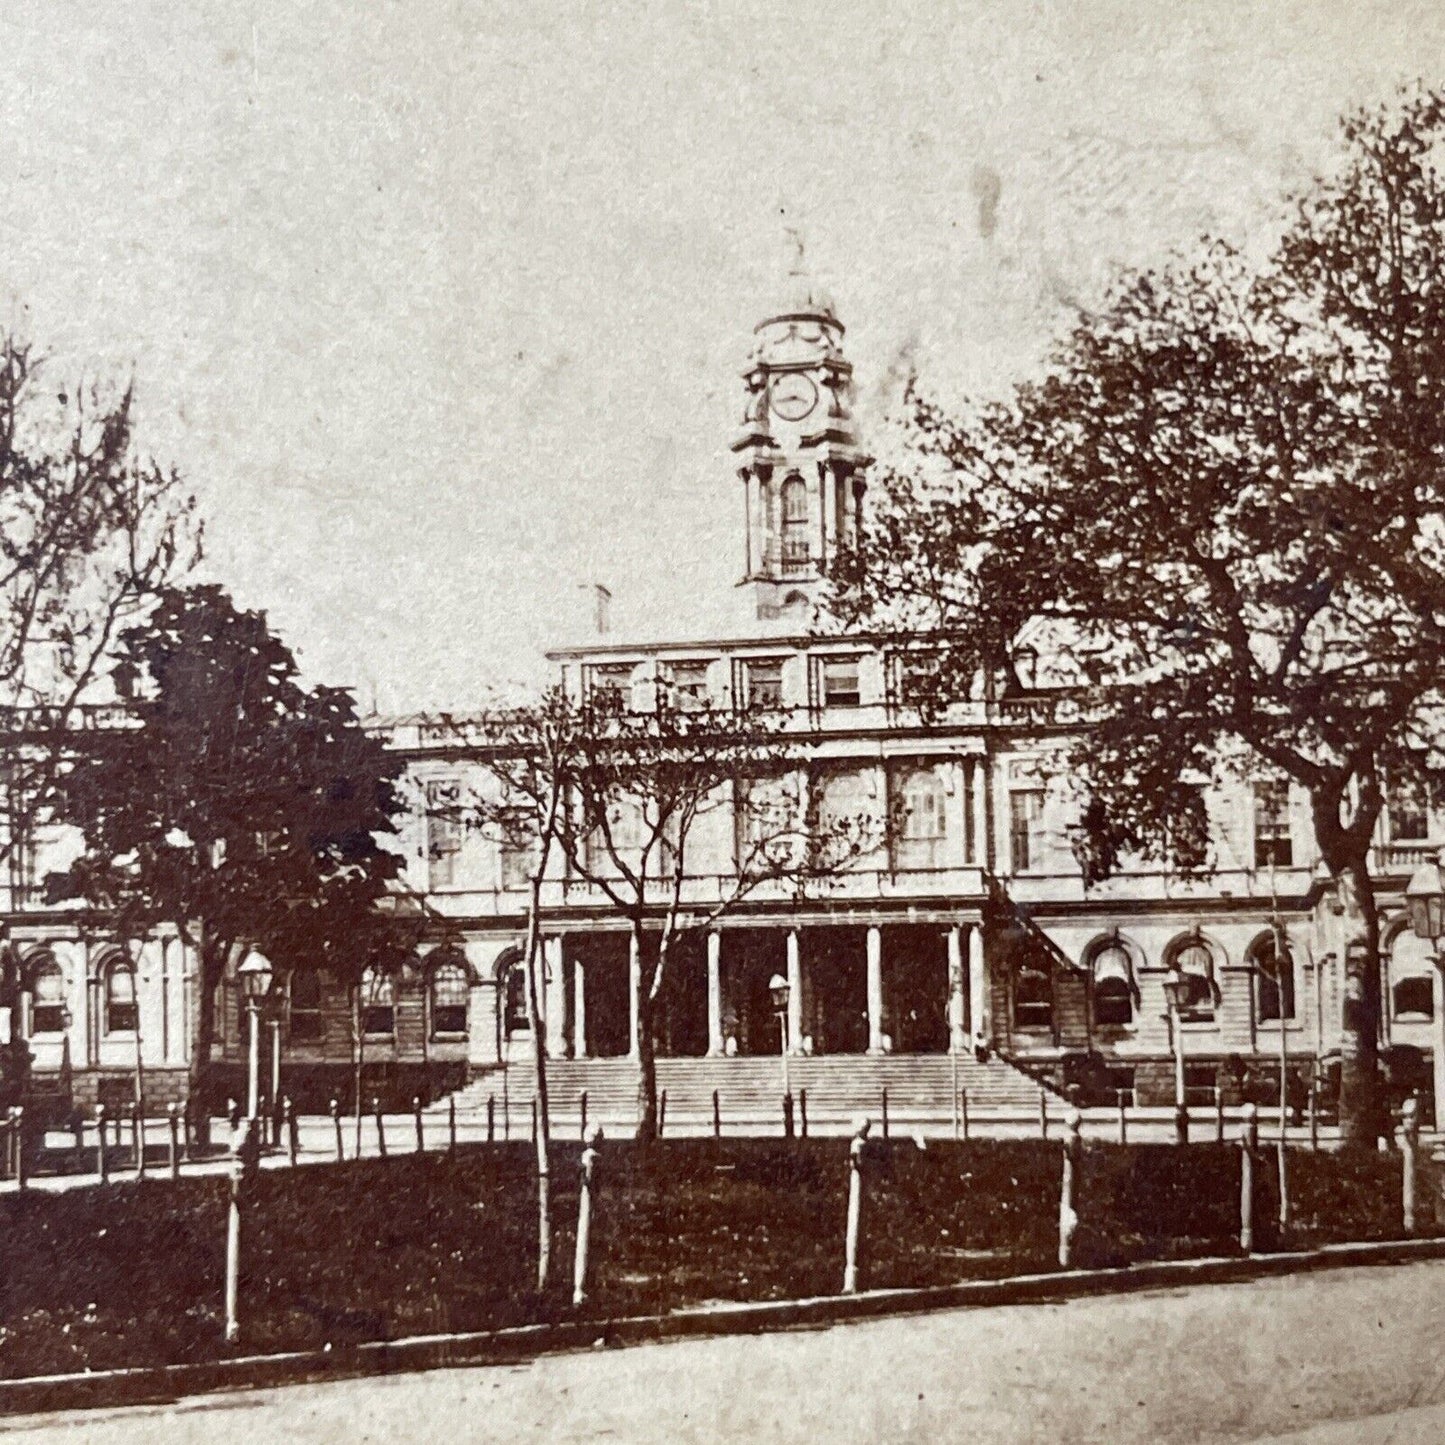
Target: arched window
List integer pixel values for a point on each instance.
(1273, 979)
(450, 988)
(512, 984)
(122, 1015)
(306, 1005)
(796, 548)
(378, 1004)
(923, 823)
(46, 982)
(1113, 986)
(1033, 998)
(1194, 960)
(1412, 989)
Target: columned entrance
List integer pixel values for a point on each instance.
(682, 1016)
(750, 958)
(916, 988)
(602, 962)
(835, 959)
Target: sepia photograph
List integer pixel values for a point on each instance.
(722, 721)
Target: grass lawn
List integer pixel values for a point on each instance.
(376, 1249)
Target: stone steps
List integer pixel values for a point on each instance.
(838, 1087)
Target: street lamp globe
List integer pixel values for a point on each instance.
(1425, 901)
(779, 988)
(254, 976)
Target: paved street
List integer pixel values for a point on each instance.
(1348, 1356)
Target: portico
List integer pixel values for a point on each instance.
(871, 987)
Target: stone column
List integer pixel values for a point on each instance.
(714, 995)
(978, 1002)
(875, 990)
(981, 848)
(554, 1003)
(795, 994)
(579, 1010)
(634, 987)
(957, 1032)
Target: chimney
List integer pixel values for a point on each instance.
(600, 603)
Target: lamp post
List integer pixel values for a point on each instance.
(1176, 991)
(1425, 903)
(254, 976)
(779, 987)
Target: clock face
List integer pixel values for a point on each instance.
(793, 396)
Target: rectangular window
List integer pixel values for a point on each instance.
(1407, 811)
(305, 1011)
(519, 858)
(443, 831)
(688, 684)
(1025, 812)
(609, 686)
(840, 682)
(763, 681)
(1273, 846)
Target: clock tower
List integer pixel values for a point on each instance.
(797, 452)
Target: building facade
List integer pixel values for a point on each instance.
(966, 929)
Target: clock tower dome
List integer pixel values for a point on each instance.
(797, 451)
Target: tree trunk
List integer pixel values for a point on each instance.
(532, 963)
(646, 1046)
(1362, 1109)
(356, 1062)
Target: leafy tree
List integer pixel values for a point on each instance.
(89, 530)
(1217, 520)
(238, 806)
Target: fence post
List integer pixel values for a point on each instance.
(19, 1131)
(77, 1127)
(1248, 1143)
(1283, 1169)
(1314, 1112)
(292, 1126)
(1409, 1140)
(416, 1114)
(233, 1113)
(245, 1157)
(716, 1115)
(1119, 1095)
(380, 1126)
(803, 1112)
(1218, 1114)
(138, 1140)
(491, 1117)
(100, 1167)
(584, 1214)
(1043, 1114)
(885, 1111)
(1069, 1191)
(451, 1124)
(787, 1116)
(582, 1115)
(534, 1118)
(855, 1204)
(336, 1123)
(963, 1110)
(661, 1113)
(173, 1123)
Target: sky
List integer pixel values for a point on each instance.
(440, 307)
